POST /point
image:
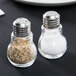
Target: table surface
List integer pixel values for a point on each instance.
(65, 66)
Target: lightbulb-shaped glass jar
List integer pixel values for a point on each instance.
(52, 44)
(21, 51)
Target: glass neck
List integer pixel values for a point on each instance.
(30, 37)
(57, 30)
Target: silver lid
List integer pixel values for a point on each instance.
(51, 19)
(21, 27)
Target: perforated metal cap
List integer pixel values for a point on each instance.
(51, 19)
(21, 27)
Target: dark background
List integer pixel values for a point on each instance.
(65, 66)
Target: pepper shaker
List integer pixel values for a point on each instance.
(21, 51)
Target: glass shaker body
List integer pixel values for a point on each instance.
(52, 44)
(21, 51)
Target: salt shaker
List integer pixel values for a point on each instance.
(52, 44)
(21, 51)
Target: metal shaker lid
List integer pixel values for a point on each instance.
(51, 19)
(21, 27)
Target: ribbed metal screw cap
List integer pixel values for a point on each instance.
(51, 19)
(21, 27)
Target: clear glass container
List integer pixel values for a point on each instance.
(21, 51)
(52, 44)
